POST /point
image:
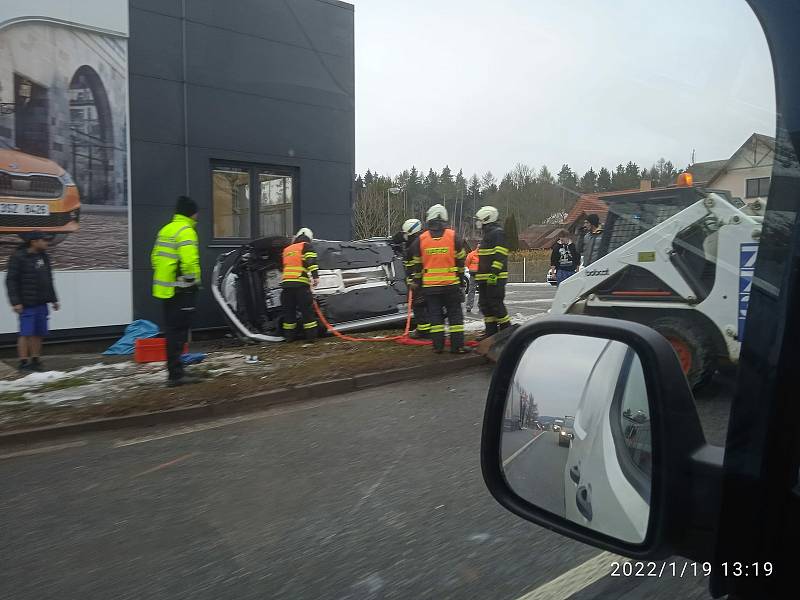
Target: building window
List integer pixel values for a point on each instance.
(757, 188)
(231, 201)
(242, 215)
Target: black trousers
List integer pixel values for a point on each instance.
(445, 298)
(422, 320)
(298, 299)
(491, 300)
(178, 314)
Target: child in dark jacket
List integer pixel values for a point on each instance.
(29, 281)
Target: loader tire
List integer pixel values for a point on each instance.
(692, 345)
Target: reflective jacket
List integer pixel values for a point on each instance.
(408, 257)
(299, 265)
(175, 257)
(493, 254)
(438, 257)
(472, 261)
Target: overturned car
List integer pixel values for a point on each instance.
(361, 285)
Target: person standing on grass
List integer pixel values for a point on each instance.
(176, 279)
(29, 282)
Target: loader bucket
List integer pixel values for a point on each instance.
(493, 346)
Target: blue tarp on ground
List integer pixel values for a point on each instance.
(191, 358)
(137, 330)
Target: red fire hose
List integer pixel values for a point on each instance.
(400, 339)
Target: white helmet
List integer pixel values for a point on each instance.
(437, 211)
(411, 227)
(486, 215)
(303, 231)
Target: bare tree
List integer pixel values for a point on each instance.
(369, 213)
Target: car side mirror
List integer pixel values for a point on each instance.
(591, 430)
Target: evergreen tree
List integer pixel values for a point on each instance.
(413, 177)
(474, 192)
(488, 186)
(446, 190)
(545, 177)
(369, 178)
(567, 178)
(589, 182)
(631, 175)
(604, 180)
(618, 179)
(512, 234)
(359, 184)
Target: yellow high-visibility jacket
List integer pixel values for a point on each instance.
(175, 257)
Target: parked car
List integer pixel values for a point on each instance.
(361, 285)
(36, 194)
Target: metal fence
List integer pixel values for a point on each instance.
(528, 270)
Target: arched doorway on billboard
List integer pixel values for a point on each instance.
(91, 136)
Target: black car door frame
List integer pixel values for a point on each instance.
(758, 519)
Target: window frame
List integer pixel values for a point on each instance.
(253, 171)
(759, 181)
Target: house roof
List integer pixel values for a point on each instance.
(589, 204)
(538, 237)
(706, 172)
(703, 172)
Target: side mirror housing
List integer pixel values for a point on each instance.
(590, 430)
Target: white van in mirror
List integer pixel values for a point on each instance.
(591, 460)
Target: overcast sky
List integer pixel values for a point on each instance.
(485, 84)
(555, 369)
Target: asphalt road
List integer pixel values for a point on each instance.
(523, 301)
(376, 494)
(372, 495)
(536, 470)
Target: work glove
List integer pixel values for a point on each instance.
(414, 287)
(464, 281)
(492, 279)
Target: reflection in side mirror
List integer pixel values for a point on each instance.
(576, 434)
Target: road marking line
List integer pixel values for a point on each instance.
(165, 465)
(122, 443)
(43, 450)
(575, 579)
(521, 450)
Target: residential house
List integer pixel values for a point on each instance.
(745, 175)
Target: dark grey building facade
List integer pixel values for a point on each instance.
(248, 107)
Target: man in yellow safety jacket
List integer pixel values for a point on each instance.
(300, 274)
(176, 276)
(439, 270)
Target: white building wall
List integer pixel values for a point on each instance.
(735, 180)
